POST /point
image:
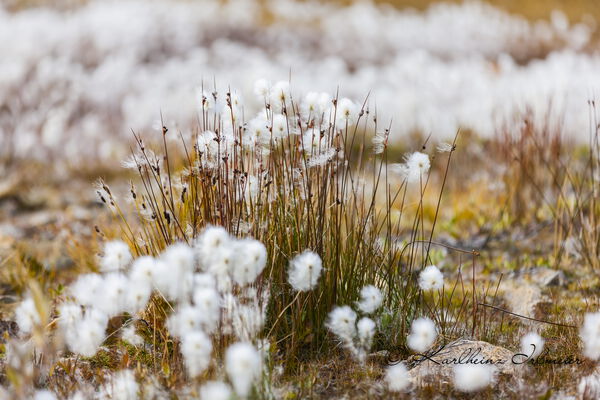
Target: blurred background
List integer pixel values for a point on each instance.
(77, 76)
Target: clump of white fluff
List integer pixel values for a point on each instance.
(431, 278)
(215, 390)
(366, 331)
(251, 260)
(27, 315)
(532, 344)
(397, 377)
(304, 271)
(342, 322)
(175, 276)
(346, 112)
(210, 242)
(122, 386)
(422, 335)
(414, 168)
(370, 299)
(590, 335)
(44, 395)
(473, 377)
(243, 366)
(196, 348)
(116, 256)
(88, 333)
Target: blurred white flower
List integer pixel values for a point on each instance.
(243, 366)
(590, 335)
(342, 322)
(397, 377)
(431, 278)
(473, 377)
(422, 335)
(214, 390)
(532, 344)
(116, 256)
(304, 271)
(370, 299)
(196, 349)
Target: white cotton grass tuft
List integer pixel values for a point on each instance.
(304, 271)
(342, 322)
(262, 88)
(370, 299)
(366, 331)
(590, 335)
(211, 241)
(130, 335)
(43, 395)
(243, 367)
(414, 168)
(532, 344)
(250, 262)
(397, 378)
(122, 386)
(346, 113)
(88, 333)
(196, 348)
(215, 390)
(116, 256)
(422, 335)
(473, 377)
(27, 315)
(431, 278)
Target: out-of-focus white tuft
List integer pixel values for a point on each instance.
(532, 344)
(422, 335)
(473, 377)
(116, 256)
(215, 390)
(397, 378)
(431, 278)
(342, 322)
(243, 366)
(370, 299)
(304, 271)
(590, 335)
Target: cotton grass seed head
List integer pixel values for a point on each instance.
(27, 315)
(532, 344)
(342, 322)
(397, 378)
(251, 260)
(431, 278)
(590, 335)
(304, 271)
(243, 366)
(473, 377)
(196, 348)
(370, 299)
(422, 335)
(116, 256)
(215, 390)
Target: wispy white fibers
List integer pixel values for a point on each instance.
(243, 366)
(214, 390)
(473, 377)
(304, 271)
(422, 335)
(110, 66)
(370, 299)
(590, 335)
(116, 256)
(397, 377)
(431, 278)
(532, 344)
